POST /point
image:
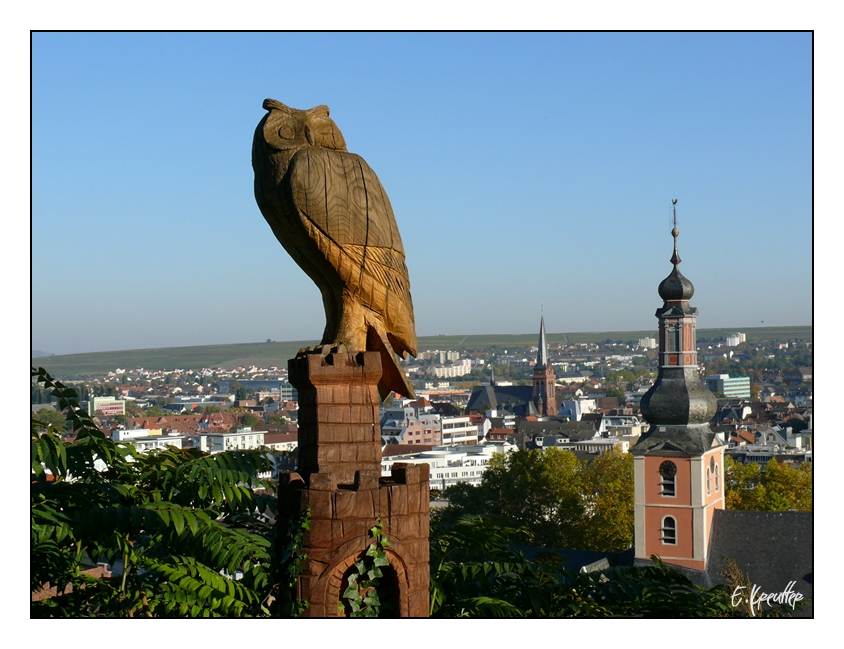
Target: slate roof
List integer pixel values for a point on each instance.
(507, 397)
(573, 429)
(445, 409)
(693, 439)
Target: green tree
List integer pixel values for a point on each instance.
(788, 488)
(617, 376)
(560, 500)
(475, 572)
(618, 394)
(134, 410)
(778, 488)
(251, 420)
(608, 489)
(538, 490)
(181, 524)
(47, 417)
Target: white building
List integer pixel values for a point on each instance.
(457, 369)
(458, 430)
(624, 425)
(450, 465)
(574, 409)
(243, 439)
(145, 442)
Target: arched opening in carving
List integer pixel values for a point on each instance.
(389, 587)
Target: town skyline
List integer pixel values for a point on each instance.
(144, 176)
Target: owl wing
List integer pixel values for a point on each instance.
(345, 210)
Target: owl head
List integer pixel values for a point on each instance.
(290, 128)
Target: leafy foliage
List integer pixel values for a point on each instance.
(251, 420)
(47, 417)
(362, 591)
(776, 489)
(291, 560)
(188, 534)
(476, 573)
(560, 500)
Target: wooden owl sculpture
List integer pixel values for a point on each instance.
(328, 209)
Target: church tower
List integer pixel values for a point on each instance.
(678, 463)
(544, 379)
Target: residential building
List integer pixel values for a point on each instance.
(798, 375)
(108, 406)
(146, 440)
(286, 392)
(574, 409)
(281, 441)
(404, 426)
(242, 439)
(731, 387)
(459, 430)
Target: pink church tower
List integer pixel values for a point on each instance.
(678, 463)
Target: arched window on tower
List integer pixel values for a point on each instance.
(674, 337)
(717, 478)
(708, 481)
(667, 472)
(668, 531)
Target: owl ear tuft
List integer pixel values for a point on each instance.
(318, 111)
(273, 104)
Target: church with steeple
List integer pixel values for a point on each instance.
(678, 462)
(539, 399)
(544, 380)
(678, 474)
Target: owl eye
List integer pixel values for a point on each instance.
(286, 132)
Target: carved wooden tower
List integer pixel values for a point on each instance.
(328, 209)
(678, 463)
(339, 481)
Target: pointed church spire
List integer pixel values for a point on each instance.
(544, 380)
(542, 353)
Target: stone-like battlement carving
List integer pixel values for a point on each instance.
(339, 481)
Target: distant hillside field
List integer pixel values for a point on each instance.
(276, 353)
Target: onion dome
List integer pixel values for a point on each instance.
(676, 286)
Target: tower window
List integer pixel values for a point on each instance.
(667, 472)
(717, 478)
(708, 481)
(668, 531)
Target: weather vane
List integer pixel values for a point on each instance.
(675, 258)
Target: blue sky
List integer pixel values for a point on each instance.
(523, 169)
